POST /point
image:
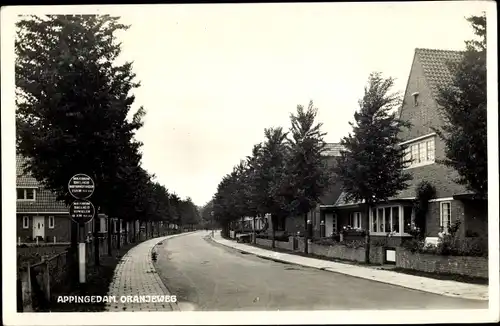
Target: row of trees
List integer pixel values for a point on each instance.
(285, 175)
(74, 116)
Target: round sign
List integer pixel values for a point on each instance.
(81, 186)
(81, 211)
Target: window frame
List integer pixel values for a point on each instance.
(375, 228)
(334, 223)
(353, 218)
(26, 225)
(53, 219)
(441, 217)
(25, 193)
(421, 151)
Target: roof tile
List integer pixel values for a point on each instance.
(435, 65)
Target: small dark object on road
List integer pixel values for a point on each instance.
(154, 255)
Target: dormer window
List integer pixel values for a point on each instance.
(26, 194)
(415, 98)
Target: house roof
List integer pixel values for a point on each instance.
(332, 149)
(435, 67)
(45, 200)
(333, 192)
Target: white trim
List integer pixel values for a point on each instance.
(53, 222)
(417, 139)
(400, 232)
(24, 187)
(441, 199)
(356, 217)
(441, 224)
(418, 165)
(27, 218)
(327, 206)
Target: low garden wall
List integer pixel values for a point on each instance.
(264, 242)
(462, 265)
(377, 255)
(339, 251)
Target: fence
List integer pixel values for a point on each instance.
(37, 282)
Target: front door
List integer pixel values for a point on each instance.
(38, 227)
(329, 222)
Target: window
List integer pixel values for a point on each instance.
(334, 223)
(445, 215)
(26, 222)
(407, 218)
(415, 98)
(421, 152)
(385, 219)
(355, 220)
(26, 193)
(115, 226)
(52, 222)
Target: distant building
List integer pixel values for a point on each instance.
(39, 214)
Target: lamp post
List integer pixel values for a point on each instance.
(212, 222)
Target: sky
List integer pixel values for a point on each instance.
(214, 76)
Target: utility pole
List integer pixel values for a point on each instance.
(212, 222)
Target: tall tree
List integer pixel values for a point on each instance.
(251, 189)
(371, 163)
(306, 170)
(464, 107)
(72, 100)
(271, 171)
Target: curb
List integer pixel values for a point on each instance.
(358, 276)
(173, 305)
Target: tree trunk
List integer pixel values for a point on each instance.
(96, 240)
(118, 237)
(306, 235)
(273, 231)
(254, 240)
(367, 238)
(110, 225)
(134, 227)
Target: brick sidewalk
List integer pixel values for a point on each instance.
(136, 275)
(442, 287)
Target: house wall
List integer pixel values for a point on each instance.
(343, 217)
(61, 230)
(434, 217)
(476, 217)
(425, 115)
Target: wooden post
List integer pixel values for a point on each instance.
(81, 254)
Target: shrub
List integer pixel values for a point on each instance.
(450, 246)
(413, 245)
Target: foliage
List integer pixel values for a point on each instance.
(449, 246)
(425, 191)
(464, 106)
(307, 175)
(371, 164)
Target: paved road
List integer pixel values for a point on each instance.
(207, 276)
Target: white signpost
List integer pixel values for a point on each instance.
(81, 211)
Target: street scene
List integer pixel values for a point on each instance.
(239, 158)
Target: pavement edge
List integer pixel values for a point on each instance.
(173, 305)
(358, 276)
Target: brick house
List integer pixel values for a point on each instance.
(453, 202)
(324, 211)
(39, 214)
